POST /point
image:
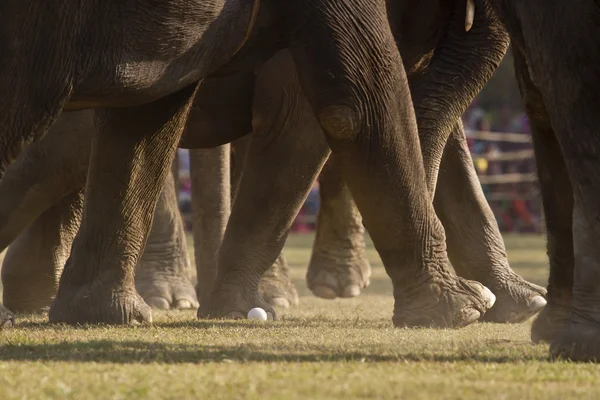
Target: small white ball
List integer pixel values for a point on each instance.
(258, 314)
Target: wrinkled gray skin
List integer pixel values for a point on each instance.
(212, 191)
(339, 266)
(349, 67)
(42, 201)
(276, 286)
(557, 64)
(216, 175)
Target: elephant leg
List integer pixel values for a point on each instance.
(358, 89)
(211, 207)
(45, 173)
(562, 62)
(282, 163)
(276, 286)
(212, 197)
(218, 99)
(164, 274)
(33, 193)
(338, 266)
(475, 245)
(131, 156)
(573, 318)
(34, 261)
(557, 197)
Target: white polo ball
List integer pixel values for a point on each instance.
(258, 314)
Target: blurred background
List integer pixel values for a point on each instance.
(499, 138)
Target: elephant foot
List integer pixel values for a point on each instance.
(516, 299)
(549, 323)
(7, 319)
(165, 292)
(577, 341)
(330, 276)
(233, 301)
(99, 303)
(276, 286)
(29, 299)
(29, 279)
(442, 302)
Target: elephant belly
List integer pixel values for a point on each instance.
(171, 46)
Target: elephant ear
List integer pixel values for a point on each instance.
(222, 111)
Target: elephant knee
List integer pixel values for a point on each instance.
(340, 122)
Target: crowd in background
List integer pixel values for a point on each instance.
(516, 202)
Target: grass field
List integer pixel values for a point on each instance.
(320, 350)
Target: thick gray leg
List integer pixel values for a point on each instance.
(570, 91)
(164, 274)
(222, 113)
(282, 163)
(211, 194)
(338, 265)
(131, 157)
(34, 261)
(557, 196)
(211, 205)
(475, 245)
(358, 89)
(32, 194)
(47, 171)
(276, 286)
(39, 215)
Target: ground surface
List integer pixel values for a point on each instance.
(343, 349)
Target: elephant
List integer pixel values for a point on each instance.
(141, 71)
(557, 64)
(42, 201)
(277, 286)
(338, 264)
(41, 205)
(214, 183)
(58, 171)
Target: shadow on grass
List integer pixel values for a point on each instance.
(315, 321)
(140, 352)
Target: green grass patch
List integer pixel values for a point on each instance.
(320, 350)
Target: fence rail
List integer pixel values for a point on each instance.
(507, 178)
(512, 156)
(500, 136)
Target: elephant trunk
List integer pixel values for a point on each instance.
(470, 48)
